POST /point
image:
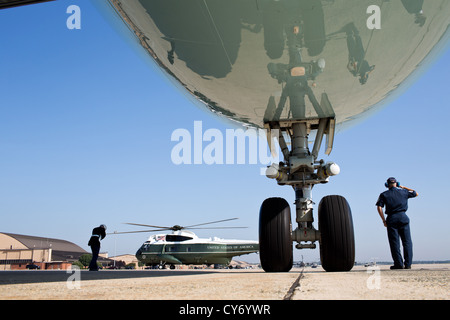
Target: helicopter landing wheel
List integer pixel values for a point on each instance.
(275, 243)
(337, 244)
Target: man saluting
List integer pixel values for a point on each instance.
(397, 223)
(98, 234)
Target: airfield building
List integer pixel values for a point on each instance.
(17, 251)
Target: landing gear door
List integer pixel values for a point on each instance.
(327, 108)
(330, 136)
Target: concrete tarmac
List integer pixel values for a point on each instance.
(422, 282)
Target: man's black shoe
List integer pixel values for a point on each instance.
(407, 267)
(396, 267)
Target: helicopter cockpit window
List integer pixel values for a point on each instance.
(175, 237)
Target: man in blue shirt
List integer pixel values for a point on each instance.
(396, 201)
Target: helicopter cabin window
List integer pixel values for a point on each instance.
(146, 244)
(176, 237)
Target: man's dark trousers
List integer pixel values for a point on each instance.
(95, 250)
(398, 228)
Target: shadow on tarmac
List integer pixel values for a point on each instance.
(39, 276)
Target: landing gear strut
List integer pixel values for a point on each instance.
(302, 171)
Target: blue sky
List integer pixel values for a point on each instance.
(85, 139)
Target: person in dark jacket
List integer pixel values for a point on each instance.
(397, 222)
(98, 233)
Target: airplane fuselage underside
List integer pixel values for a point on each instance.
(235, 56)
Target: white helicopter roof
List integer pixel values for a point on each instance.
(182, 236)
(189, 236)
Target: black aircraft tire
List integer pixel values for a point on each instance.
(337, 243)
(275, 243)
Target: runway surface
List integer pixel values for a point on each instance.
(45, 276)
(429, 282)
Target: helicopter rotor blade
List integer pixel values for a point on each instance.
(217, 228)
(176, 227)
(202, 224)
(138, 231)
(146, 225)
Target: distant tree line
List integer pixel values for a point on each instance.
(85, 259)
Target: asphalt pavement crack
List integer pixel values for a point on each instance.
(290, 294)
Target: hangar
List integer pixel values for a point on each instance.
(17, 251)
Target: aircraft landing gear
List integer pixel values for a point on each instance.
(337, 244)
(275, 243)
(301, 171)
